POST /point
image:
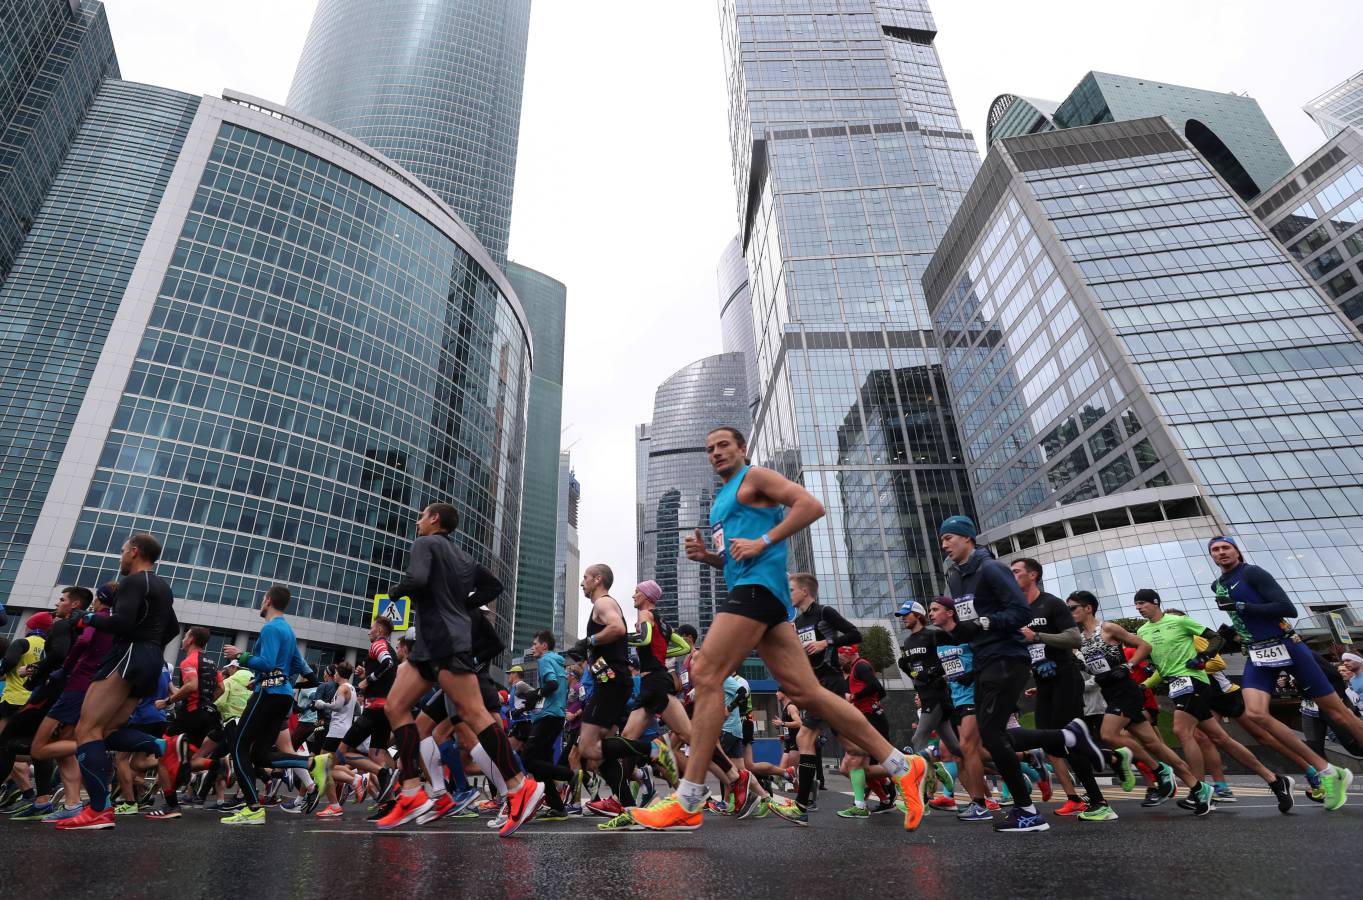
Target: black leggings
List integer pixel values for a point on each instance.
(620, 755)
(998, 687)
(16, 740)
(253, 748)
(538, 757)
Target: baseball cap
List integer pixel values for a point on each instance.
(513, 669)
(911, 606)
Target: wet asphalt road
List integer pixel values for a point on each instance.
(1245, 850)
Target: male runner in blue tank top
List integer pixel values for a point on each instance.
(753, 515)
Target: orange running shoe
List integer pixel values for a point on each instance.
(523, 803)
(669, 815)
(1070, 808)
(942, 801)
(911, 789)
(407, 808)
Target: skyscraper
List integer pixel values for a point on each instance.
(545, 303)
(1136, 366)
(735, 315)
(432, 84)
(567, 561)
(679, 484)
(53, 56)
(266, 345)
(848, 163)
(1230, 130)
(1315, 212)
(1339, 107)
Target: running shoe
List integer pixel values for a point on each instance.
(646, 791)
(1314, 794)
(1202, 799)
(61, 813)
(763, 809)
(991, 805)
(1282, 789)
(10, 793)
(168, 812)
(1019, 821)
(441, 806)
(549, 814)
(524, 803)
(491, 807)
(332, 811)
(1084, 742)
(312, 798)
(360, 785)
(1223, 793)
(607, 809)
(464, 799)
(887, 805)
(1047, 788)
(18, 803)
(669, 815)
(33, 812)
(622, 822)
(1336, 786)
(744, 798)
(379, 810)
(215, 806)
(911, 790)
(1164, 790)
(943, 802)
(667, 763)
(1126, 769)
(1071, 808)
(975, 813)
(718, 807)
(407, 808)
(174, 756)
(246, 816)
(791, 811)
(387, 781)
(318, 770)
(574, 809)
(504, 813)
(88, 820)
(1102, 813)
(944, 778)
(232, 804)
(126, 809)
(854, 812)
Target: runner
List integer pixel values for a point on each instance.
(1259, 609)
(920, 661)
(143, 622)
(376, 680)
(341, 710)
(753, 515)
(864, 691)
(547, 723)
(197, 718)
(445, 585)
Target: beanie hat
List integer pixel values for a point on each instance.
(650, 590)
(1223, 538)
(39, 622)
(1146, 595)
(960, 525)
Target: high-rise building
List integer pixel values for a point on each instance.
(53, 56)
(434, 85)
(567, 561)
(1339, 107)
(1136, 366)
(849, 161)
(266, 345)
(1315, 211)
(545, 302)
(679, 484)
(1230, 130)
(735, 315)
(641, 442)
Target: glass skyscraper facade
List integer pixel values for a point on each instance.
(544, 300)
(1339, 107)
(434, 85)
(1137, 365)
(1316, 212)
(1230, 130)
(567, 561)
(849, 161)
(289, 349)
(53, 56)
(678, 484)
(735, 315)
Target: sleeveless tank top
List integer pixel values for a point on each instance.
(653, 655)
(1104, 661)
(343, 718)
(731, 519)
(616, 652)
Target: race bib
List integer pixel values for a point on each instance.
(1037, 652)
(1180, 686)
(717, 537)
(1097, 664)
(1309, 708)
(273, 678)
(808, 635)
(953, 666)
(965, 608)
(1270, 654)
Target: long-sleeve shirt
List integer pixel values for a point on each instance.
(275, 658)
(1257, 604)
(983, 588)
(87, 653)
(444, 584)
(142, 611)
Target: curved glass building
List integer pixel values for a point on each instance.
(735, 315)
(679, 483)
(270, 352)
(1011, 115)
(433, 84)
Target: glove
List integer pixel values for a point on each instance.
(319, 704)
(57, 675)
(87, 617)
(1224, 602)
(1046, 669)
(1197, 662)
(905, 666)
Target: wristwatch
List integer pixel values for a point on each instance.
(984, 622)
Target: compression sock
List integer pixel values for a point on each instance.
(172, 799)
(493, 740)
(858, 777)
(1147, 772)
(949, 787)
(691, 796)
(617, 775)
(408, 742)
(809, 768)
(130, 740)
(454, 761)
(93, 759)
(896, 765)
(435, 769)
(489, 770)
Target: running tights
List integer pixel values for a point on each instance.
(998, 687)
(619, 757)
(936, 719)
(539, 758)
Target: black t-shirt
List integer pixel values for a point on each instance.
(1050, 615)
(143, 611)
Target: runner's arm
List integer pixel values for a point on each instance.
(677, 646)
(1278, 605)
(188, 685)
(1127, 639)
(486, 587)
(804, 508)
(610, 618)
(15, 652)
(127, 601)
(418, 571)
(739, 696)
(847, 633)
(870, 683)
(1068, 639)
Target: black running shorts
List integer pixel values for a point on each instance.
(835, 682)
(655, 688)
(1123, 698)
(609, 701)
(458, 663)
(753, 601)
(138, 664)
(371, 724)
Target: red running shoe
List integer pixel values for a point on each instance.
(1071, 808)
(89, 820)
(407, 808)
(608, 808)
(1046, 788)
(991, 804)
(524, 803)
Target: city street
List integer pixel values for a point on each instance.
(1247, 848)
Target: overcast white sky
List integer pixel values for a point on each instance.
(623, 189)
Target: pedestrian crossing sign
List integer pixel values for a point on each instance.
(398, 611)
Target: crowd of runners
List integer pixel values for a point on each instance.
(94, 724)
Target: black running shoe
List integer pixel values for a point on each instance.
(1282, 788)
(1017, 821)
(381, 810)
(388, 779)
(231, 804)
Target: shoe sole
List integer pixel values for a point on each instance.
(433, 815)
(1348, 779)
(1090, 748)
(913, 800)
(245, 822)
(1044, 826)
(531, 808)
(414, 814)
(1287, 796)
(100, 827)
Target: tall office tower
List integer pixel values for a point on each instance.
(1230, 130)
(680, 484)
(263, 344)
(1136, 366)
(567, 562)
(848, 163)
(432, 84)
(641, 442)
(545, 301)
(735, 315)
(53, 56)
(1315, 213)
(1339, 107)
